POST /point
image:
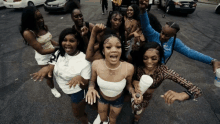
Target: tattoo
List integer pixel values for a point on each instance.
(102, 111)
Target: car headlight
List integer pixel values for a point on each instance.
(62, 4)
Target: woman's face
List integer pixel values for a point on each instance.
(151, 59)
(70, 44)
(130, 12)
(112, 50)
(77, 17)
(116, 21)
(166, 33)
(39, 19)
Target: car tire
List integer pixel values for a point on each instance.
(168, 9)
(30, 3)
(217, 10)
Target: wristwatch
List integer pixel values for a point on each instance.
(213, 60)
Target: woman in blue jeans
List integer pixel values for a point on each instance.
(167, 39)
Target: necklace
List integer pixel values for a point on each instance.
(112, 70)
(67, 60)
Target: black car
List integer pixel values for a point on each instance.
(61, 5)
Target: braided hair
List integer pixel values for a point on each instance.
(175, 26)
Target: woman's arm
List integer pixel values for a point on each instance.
(31, 39)
(54, 42)
(192, 90)
(42, 73)
(185, 50)
(147, 29)
(90, 52)
(92, 93)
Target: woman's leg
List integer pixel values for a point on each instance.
(114, 112)
(50, 83)
(102, 110)
(103, 11)
(79, 111)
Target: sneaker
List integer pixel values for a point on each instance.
(98, 120)
(55, 93)
(103, 13)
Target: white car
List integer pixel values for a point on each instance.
(22, 3)
(1, 3)
(217, 9)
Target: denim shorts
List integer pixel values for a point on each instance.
(118, 103)
(78, 97)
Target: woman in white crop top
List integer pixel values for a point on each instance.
(71, 71)
(112, 76)
(36, 34)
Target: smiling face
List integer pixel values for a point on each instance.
(151, 59)
(130, 12)
(112, 50)
(77, 17)
(70, 44)
(39, 19)
(166, 33)
(116, 21)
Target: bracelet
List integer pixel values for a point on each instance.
(213, 60)
(190, 94)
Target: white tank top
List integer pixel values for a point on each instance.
(111, 89)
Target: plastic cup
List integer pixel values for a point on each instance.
(217, 78)
(145, 82)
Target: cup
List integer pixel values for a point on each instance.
(217, 78)
(145, 82)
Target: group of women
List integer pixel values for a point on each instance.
(104, 63)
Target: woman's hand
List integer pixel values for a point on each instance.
(42, 73)
(170, 96)
(216, 65)
(143, 4)
(77, 80)
(84, 31)
(99, 28)
(91, 96)
(137, 100)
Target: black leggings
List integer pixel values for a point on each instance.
(104, 4)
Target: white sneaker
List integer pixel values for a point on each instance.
(98, 120)
(103, 13)
(55, 93)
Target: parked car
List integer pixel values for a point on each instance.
(182, 6)
(217, 9)
(61, 5)
(22, 3)
(125, 3)
(1, 3)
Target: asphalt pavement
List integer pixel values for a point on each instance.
(24, 101)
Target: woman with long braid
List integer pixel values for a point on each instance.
(167, 39)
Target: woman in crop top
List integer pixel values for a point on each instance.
(149, 63)
(71, 71)
(36, 34)
(112, 76)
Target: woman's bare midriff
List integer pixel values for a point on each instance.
(109, 98)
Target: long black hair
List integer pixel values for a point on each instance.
(121, 28)
(136, 12)
(101, 45)
(175, 26)
(28, 20)
(63, 34)
(140, 56)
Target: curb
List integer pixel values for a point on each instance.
(208, 2)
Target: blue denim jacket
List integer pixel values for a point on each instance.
(179, 46)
